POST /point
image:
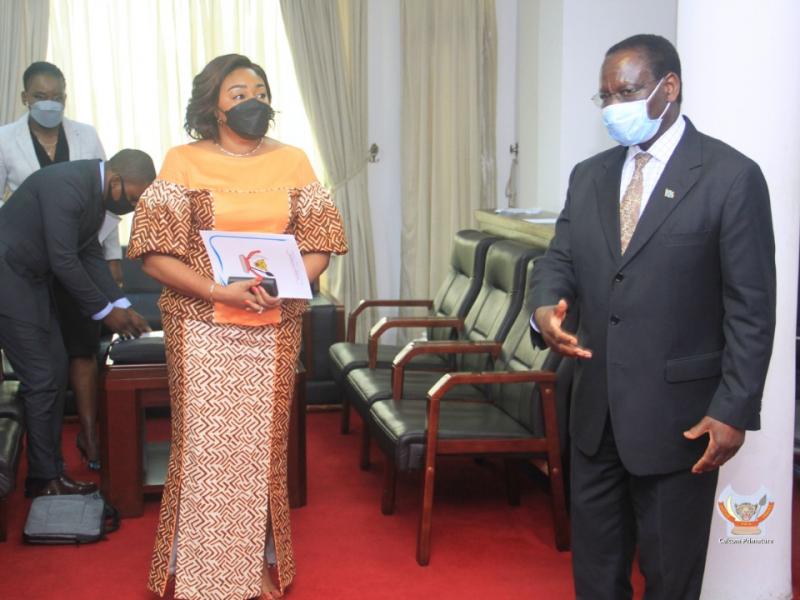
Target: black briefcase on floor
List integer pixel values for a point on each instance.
(69, 519)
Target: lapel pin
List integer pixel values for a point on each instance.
(668, 193)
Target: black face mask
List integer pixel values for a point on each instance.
(119, 207)
(250, 119)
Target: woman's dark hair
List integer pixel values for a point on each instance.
(201, 123)
(41, 68)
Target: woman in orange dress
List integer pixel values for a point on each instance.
(231, 349)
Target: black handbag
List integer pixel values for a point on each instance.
(146, 350)
(69, 519)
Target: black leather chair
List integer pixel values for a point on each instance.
(323, 326)
(489, 319)
(142, 290)
(516, 411)
(11, 433)
(452, 301)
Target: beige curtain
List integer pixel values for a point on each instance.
(23, 31)
(328, 41)
(448, 115)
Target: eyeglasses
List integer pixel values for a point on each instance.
(628, 94)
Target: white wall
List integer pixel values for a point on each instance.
(534, 66)
(561, 46)
(384, 67)
(547, 135)
(506, 121)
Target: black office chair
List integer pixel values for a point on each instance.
(452, 301)
(518, 410)
(489, 319)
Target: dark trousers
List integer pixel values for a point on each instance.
(668, 516)
(36, 352)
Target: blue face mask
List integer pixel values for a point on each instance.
(628, 122)
(47, 113)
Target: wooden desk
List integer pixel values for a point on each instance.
(131, 467)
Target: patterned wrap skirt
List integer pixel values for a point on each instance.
(230, 388)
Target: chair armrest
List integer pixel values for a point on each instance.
(365, 304)
(387, 323)
(451, 380)
(413, 349)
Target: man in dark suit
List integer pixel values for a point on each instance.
(48, 229)
(665, 250)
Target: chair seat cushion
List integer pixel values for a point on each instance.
(347, 356)
(11, 405)
(10, 442)
(399, 426)
(366, 386)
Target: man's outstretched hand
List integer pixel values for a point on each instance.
(126, 322)
(549, 320)
(723, 442)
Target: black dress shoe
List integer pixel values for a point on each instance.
(62, 485)
(76, 487)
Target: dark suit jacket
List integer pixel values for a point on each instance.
(681, 326)
(48, 227)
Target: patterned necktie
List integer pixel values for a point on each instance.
(631, 201)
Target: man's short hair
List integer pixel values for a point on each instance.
(41, 68)
(133, 165)
(660, 53)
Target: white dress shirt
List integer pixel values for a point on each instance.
(661, 151)
(121, 302)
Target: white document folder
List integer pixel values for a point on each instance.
(265, 255)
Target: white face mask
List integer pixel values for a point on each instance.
(628, 122)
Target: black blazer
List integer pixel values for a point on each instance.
(681, 326)
(48, 227)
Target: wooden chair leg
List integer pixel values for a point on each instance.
(365, 444)
(426, 515)
(555, 471)
(559, 500)
(389, 486)
(512, 481)
(345, 425)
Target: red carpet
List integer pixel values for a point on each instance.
(344, 547)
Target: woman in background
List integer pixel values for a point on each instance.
(231, 350)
